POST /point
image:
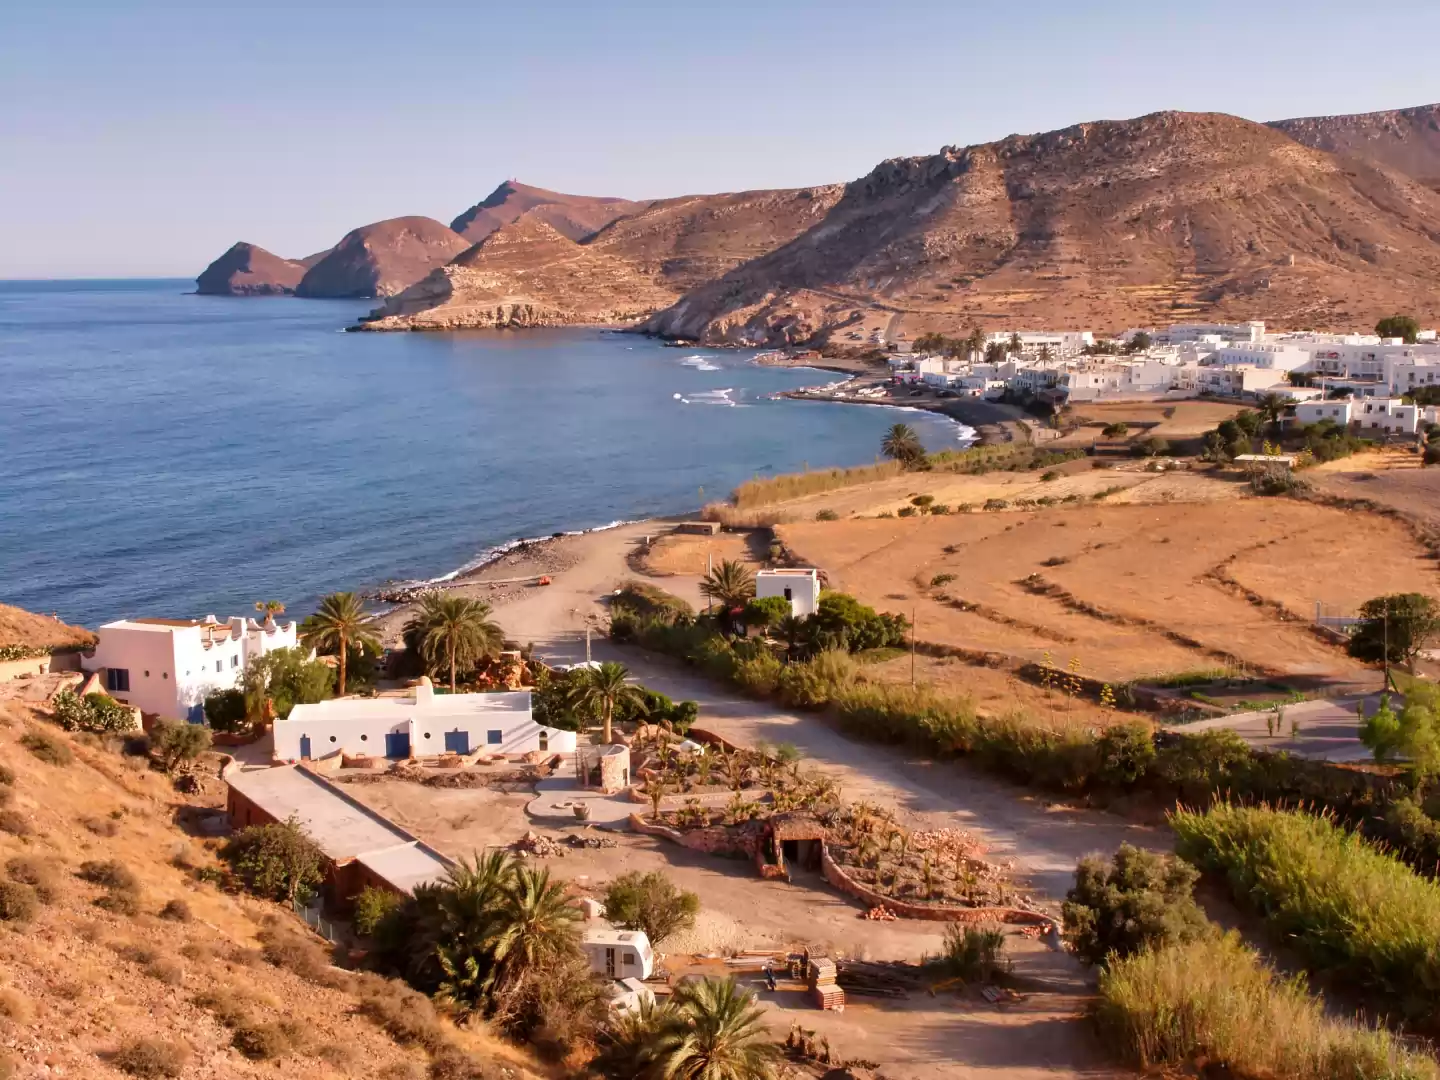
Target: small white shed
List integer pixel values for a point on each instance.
(800, 586)
(618, 954)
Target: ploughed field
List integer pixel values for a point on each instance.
(1129, 591)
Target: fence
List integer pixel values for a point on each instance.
(1336, 620)
(314, 918)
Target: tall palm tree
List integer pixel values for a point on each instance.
(628, 1038)
(539, 924)
(466, 925)
(1016, 345)
(716, 1032)
(975, 342)
(1271, 407)
(269, 608)
(730, 584)
(902, 444)
(603, 690)
(453, 630)
(792, 631)
(342, 621)
(1045, 354)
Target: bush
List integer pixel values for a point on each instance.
(277, 861)
(975, 954)
(1353, 911)
(766, 613)
(1431, 455)
(47, 748)
(816, 682)
(940, 580)
(7, 775)
(758, 675)
(826, 515)
(1138, 900)
(18, 902)
(996, 504)
(372, 906)
(225, 710)
(265, 1042)
(286, 678)
(1127, 754)
(176, 911)
(176, 742)
(15, 823)
(1116, 430)
(652, 903)
(39, 874)
(111, 873)
(120, 902)
(151, 1059)
(97, 713)
(1212, 1001)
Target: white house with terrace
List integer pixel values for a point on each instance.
(167, 667)
(419, 723)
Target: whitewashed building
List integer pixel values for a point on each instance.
(167, 667)
(1060, 343)
(1312, 412)
(1272, 356)
(1389, 415)
(420, 723)
(1179, 333)
(799, 586)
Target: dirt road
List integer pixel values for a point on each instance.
(1044, 839)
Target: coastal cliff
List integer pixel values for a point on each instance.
(381, 259)
(248, 270)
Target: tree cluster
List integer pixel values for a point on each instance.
(277, 681)
(452, 634)
(1405, 327)
(1139, 899)
(98, 713)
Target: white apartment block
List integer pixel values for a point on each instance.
(1181, 333)
(1061, 343)
(1235, 380)
(1273, 356)
(1312, 412)
(421, 723)
(166, 667)
(1389, 415)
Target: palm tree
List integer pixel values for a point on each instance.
(627, 1039)
(603, 690)
(715, 1032)
(342, 621)
(539, 924)
(270, 608)
(792, 631)
(1045, 354)
(976, 342)
(1016, 346)
(902, 444)
(1271, 407)
(465, 926)
(730, 584)
(453, 630)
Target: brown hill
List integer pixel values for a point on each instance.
(247, 270)
(1104, 224)
(122, 958)
(22, 628)
(574, 216)
(381, 259)
(1405, 140)
(528, 273)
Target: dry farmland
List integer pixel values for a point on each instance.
(1128, 591)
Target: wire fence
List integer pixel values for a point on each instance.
(315, 919)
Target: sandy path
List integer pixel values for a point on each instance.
(1044, 839)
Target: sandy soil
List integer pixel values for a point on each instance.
(1186, 419)
(686, 553)
(1166, 585)
(1390, 478)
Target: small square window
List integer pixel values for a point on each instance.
(493, 737)
(235, 661)
(117, 679)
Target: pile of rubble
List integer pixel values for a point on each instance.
(590, 840)
(542, 847)
(879, 913)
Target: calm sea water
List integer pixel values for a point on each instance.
(169, 454)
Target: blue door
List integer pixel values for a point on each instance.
(397, 744)
(304, 746)
(457, 742)
(197, 713)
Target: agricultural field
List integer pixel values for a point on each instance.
(1393, 479)
(1163, 420)
(1123, 592)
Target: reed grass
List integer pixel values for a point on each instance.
(766, 490)
(1353, 910)
(1214, 999)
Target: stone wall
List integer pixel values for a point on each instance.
(932, 912)
(715, 840)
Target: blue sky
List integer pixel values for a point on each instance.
(143, 138)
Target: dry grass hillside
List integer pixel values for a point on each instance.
(574, 216)
(20, 627)
(1406, 140)
(118, 959)
(1102, 224)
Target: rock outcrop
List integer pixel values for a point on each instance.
(1405, 140)
(247, 270)
(381, 259)
(573, 216)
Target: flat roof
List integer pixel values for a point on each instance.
(439, 707)
(343, 827)
(793, 571)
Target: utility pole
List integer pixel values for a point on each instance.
(1385, 624)
(709, 569)
(587, 644)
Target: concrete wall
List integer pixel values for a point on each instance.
(329, 734)
(41, 665)
(930, 912)
(149, 657)
(519, 734)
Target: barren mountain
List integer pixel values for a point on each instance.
(528, 273)
(247, 270)
(574, 216)
(381, 259)
(1405, 140)
(1104, 224)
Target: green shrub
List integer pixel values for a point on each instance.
(1050, 475)
(974, 954)
(225, 710)
(1116, 430)
(1211, 1004)
(941, 579)
(371, 907)
(650, 902)
(97, 713)
(176, 742)
(47, 748)
(278, 861)
(151, 1059)
(816, 682)
(109, 873)
(1353, 911)
(1139, 899)
(766, 613)
(1127, 754)
(996, 504)
(905, 511)
(758, 675)
(826, 515)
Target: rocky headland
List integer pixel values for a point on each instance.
(247, 270)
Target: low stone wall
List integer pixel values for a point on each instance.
(931, 912)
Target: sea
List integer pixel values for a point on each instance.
(168, 454)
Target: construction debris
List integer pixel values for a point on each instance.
(880, 913)
(590, 840)
(873, 979)
(542, 847)
(820, 977)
